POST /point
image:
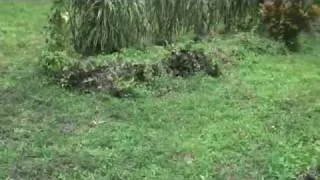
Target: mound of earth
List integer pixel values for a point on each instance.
(118, 78)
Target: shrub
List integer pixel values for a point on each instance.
(55, 56)
(53, 62)
(56, 30)
(285, 20)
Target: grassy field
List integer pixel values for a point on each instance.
(260, 120)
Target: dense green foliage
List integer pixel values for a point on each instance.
(103, 26)
(106, 26)
(285, 20)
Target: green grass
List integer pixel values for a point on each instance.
(260, 120)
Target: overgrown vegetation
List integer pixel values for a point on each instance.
(101, 26)
(117, 77)
(285, 20)
(258, 120)
(184, 63)
(77, 30)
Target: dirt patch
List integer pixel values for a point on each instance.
(104, 78)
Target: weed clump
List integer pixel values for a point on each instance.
(118, 77)
(185, 62)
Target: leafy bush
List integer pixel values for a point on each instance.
(285, 20)
(55, 62)
(57, 28)
(56, 53)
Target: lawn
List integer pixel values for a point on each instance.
(259, 120)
